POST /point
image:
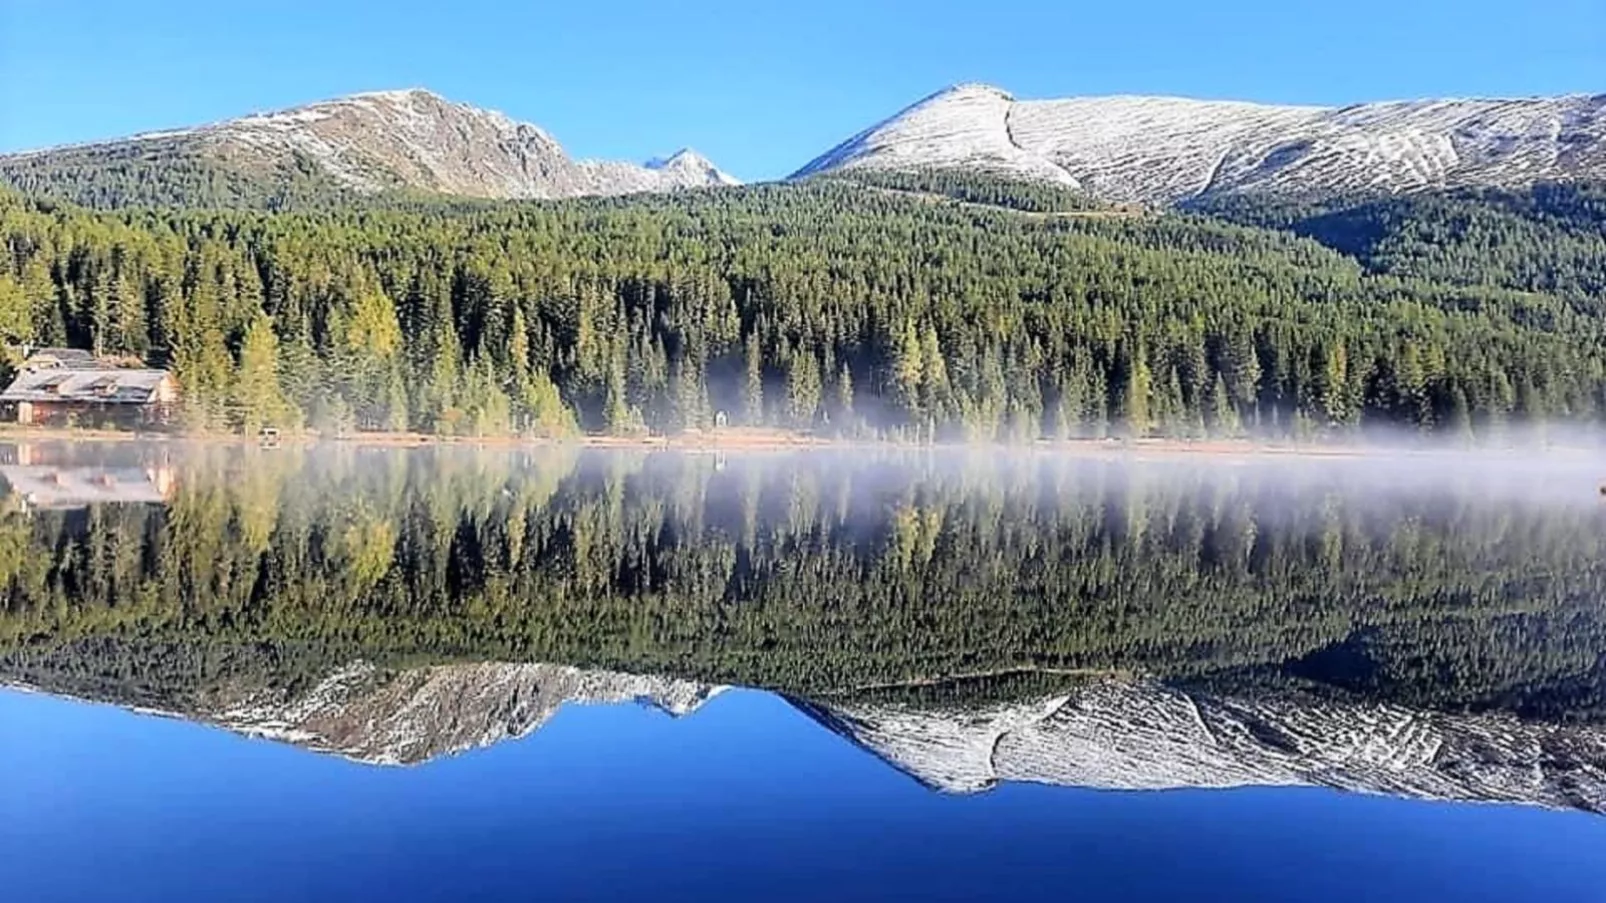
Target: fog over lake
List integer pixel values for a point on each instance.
(850, 673)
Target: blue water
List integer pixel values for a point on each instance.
(745, 799)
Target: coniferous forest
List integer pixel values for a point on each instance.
(846, 309)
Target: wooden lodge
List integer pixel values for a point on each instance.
(65, 387)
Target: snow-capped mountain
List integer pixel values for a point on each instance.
(371, 142)
(1143, 735)
(690, 167)
(1164, 150)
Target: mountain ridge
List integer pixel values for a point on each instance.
(361, 144)
(1167, 150)
(1118, 148)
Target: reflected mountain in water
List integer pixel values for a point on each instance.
(1108, 733)
(415, 716)
(1423, 626)
(380, 717)
(1135, 734)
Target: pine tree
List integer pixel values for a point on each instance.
(927, 321)
(1136, 392)
(753, 390)
(1223, 417)
(16, 311)
(548, 416)
(842, 400)
(620, 417)
(1070, 406)
(908, 368)
(1335, 386)
(1460, 417)
(802, 389)
(933, 377)
(257, 398)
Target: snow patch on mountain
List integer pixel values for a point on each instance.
(1167, 149)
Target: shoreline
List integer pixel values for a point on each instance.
(741, 440)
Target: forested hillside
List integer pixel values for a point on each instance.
(833, 307)
(1549, 238)
(167, 174)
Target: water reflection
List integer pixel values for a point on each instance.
(1112, 733)
(1415, 626)
(54, 477)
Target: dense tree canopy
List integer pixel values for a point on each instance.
(1550, 238)
(168, 173)
(973, 188)
(829, 306)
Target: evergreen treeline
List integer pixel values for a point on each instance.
(168, 173)
(977, 188)
(1549, 238)
(819, 306)
(818, 572)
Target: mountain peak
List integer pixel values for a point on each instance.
(687, 162)
(683, 157)
(399, 94)
(970, 89)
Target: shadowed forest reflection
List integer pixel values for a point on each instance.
(1455, 584)
(1451, 584)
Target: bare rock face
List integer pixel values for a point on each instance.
(1143, 735)
(386, 140)
(413, 716)
(1164, 150)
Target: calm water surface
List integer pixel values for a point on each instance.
(454, 674)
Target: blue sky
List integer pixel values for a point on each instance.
(759, 87)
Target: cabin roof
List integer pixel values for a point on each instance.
(98, 386)
(63, 358)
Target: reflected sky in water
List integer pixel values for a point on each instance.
(955, 649)
(743, 799)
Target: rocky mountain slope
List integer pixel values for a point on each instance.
(1164, 150)
(363, 144)
(1143, 735)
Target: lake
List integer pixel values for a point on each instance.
(447, 673)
